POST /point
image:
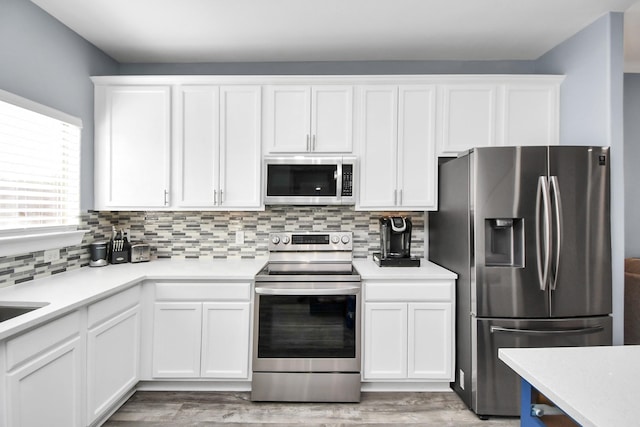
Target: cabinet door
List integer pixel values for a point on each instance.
(240, 154)
(417, 161)
(332, 119)
(288, 119)
(468, 117)
(133, 135)
(378, 147)
(430, 341)
(112, 360)
(225, 340)
(530, 114)
(176, 340)
(197, 145)
(385, 341)
(46, 391)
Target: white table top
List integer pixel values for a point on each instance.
(596, 386)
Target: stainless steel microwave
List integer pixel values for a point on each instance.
(306, 180)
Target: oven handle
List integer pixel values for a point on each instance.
(324, 290)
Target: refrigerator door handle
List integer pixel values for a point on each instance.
(576, 331)
(557, 211)
(543, 259)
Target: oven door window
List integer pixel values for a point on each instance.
(307, 326)
(301, 180)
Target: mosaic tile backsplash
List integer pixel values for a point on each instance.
(185, 235)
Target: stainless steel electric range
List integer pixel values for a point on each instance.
(306, 345)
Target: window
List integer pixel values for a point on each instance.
(39, 172)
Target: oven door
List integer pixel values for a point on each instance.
(307, 327)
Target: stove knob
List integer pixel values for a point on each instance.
(285, 239)
(275, 240)
(335, 239)
(345, 239)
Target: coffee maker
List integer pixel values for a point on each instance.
(395, 243)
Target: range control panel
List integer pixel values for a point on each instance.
(311, 241)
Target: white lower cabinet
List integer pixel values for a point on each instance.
(201, 339)
(406, 340)
(177, 329)
(113, 350)
(44, 378)
(225, 340)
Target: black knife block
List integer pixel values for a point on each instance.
(120, 250)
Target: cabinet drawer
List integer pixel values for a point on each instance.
(425, 290)
(198, 291)
(109, 307)
(32, 343)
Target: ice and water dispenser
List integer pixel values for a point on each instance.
(504, 242)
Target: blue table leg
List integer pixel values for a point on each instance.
(526, 419)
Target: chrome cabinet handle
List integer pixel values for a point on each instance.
(166, 198)
(221, 197)
(215, 197)
(308, 145)
(400, 198)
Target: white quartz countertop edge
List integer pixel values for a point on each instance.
(65, 292)
(596, 386)
(369, 270)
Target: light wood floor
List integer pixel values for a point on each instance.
(178, 409)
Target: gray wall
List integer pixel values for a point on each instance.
(46, 62)
(328, 68)
(632, 164)
(592, 114)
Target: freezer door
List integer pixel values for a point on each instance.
(496, 388)
(581, 268)
(505, 183)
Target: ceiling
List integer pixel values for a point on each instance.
(169, 31)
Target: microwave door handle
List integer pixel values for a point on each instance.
(339, 181)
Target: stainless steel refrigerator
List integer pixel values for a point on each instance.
(527, 230)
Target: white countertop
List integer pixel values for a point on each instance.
(596, 386)
(67, 291)
(369, 270)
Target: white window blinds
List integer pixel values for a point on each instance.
(39, 168)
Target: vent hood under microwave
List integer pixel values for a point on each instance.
(306, 180)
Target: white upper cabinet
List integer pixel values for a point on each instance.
(240, 154)
(309, 119)
(504, 110)
(132, 146)
(467, 117)
(417, 161)
(217, 150)
(197, 146)
(378, 141)
(397, 147)
(530, 113)
(178, 147)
